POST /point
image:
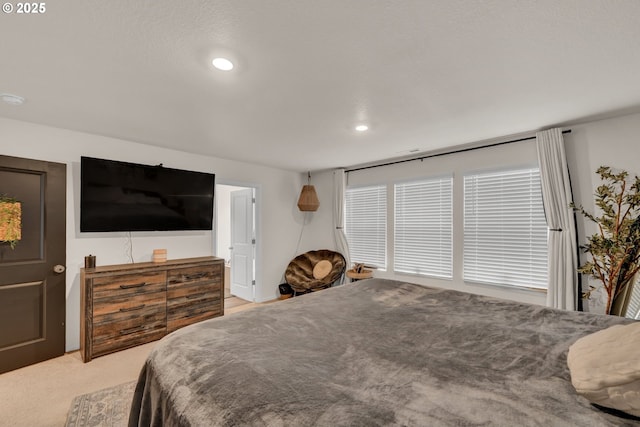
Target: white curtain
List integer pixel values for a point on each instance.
(339, 184)
(556, 196)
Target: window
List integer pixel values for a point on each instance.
(366, 224)
(505, 231)
(423, 227)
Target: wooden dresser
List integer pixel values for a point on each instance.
(130, 304)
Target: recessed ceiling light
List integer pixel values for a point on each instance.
(222, 64)
(362, 128)
(12, 99)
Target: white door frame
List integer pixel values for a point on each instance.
(257, 188)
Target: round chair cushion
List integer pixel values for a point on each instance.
(321, 269)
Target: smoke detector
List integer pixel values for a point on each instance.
(12, 99)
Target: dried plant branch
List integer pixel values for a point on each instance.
(615, 248)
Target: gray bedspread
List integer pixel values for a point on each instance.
(375, 352)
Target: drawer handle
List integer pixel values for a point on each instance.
(194, 296)
(135, 285)
(137, 307)
(131, 330)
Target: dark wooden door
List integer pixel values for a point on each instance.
(32, 278)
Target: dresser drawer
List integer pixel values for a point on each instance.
(123, 307)
(127, 284)
(110, 337)
(182, 315)
(205, 273)
(128, 326)
(193, 290)
(128, 321)
(180, 301)
(192, 303)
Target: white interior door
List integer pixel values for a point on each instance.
(242, 244)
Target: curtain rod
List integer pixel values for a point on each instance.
(462, 150)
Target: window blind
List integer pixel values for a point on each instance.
(366, 224)
(423, 227)
(505, 231)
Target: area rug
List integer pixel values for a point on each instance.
(105, 408)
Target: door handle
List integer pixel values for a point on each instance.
(59, 268)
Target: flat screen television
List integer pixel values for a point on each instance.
(121, 196)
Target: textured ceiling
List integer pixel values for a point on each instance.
(423, 74)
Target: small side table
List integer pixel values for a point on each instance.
(365, 274)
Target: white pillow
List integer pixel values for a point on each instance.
(605, 367)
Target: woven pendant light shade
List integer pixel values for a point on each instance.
(308, 201)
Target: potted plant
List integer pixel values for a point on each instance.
(615, 248)
(10, 220)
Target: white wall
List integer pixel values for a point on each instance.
(317, 232)
(612, 142)
(277, 192)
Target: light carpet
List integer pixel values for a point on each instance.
(108, 407)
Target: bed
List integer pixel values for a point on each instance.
(374, 352)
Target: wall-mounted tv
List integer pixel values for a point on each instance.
(121, 196)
